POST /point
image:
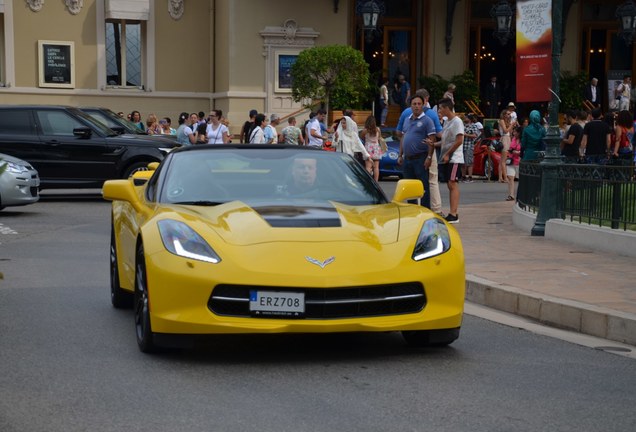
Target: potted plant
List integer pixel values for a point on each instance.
(466, 89)
(336, 74)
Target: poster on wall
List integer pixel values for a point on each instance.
(56, 64)
(284, 63)
(534, 50)
(614, 79)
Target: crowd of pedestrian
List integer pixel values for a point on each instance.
(433, 140)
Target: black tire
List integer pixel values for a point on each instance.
(134, 167)
(120, 298)
(489, 171)
(430, 338)
(143, 328)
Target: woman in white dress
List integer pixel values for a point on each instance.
(348, 139)
(216, 131)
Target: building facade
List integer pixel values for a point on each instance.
(168, 56)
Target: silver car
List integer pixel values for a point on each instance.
(19, 182)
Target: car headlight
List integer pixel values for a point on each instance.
(183, 241)
(16, 168)
(433, 240)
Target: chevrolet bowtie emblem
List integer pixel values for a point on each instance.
(321, 264)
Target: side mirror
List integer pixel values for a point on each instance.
(121, 190)
(408, 190)
(82, 132)
(119, 130)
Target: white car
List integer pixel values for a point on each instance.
(19, 182)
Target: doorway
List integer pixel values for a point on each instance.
(488, 57)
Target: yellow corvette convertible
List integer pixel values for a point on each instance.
(274, 239)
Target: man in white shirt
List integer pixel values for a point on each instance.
(452, 155)
(315, 138)
(624, 92)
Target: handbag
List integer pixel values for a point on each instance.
(509, 161)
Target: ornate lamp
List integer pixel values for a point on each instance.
(502, 13)
(626, 14)
(370, 12)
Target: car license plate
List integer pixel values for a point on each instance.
(277, 303)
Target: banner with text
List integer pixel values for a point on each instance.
(534, 50)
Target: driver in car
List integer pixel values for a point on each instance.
(303, 176)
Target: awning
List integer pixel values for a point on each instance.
(127, 9)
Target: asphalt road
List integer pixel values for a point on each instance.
(69, 362)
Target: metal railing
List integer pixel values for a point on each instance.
(602, 195)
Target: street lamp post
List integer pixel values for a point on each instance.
(626, 14)
(551, 161)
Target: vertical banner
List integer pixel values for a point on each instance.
(534, 50)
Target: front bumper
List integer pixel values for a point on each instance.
(19, 189)
(180, 291)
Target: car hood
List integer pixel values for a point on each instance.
(155, 141)
(9, 158)
(240, 224)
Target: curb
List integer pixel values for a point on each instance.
(565, 314)
(598, 239)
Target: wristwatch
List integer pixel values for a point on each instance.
(429, 157)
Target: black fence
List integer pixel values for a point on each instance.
(603, 195)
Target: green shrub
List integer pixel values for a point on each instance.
(571, 90)
(466, 88)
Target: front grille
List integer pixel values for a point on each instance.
(326, 303)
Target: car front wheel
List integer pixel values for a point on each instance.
(143, 329)
(121, 299)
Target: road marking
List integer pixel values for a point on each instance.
(510, 320)
(6, 230)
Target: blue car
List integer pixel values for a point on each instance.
(388, 163)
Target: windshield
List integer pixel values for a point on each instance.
(283, 176)
(97, 125)
(113, 121)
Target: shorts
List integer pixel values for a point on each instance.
(512, 170)
(451, 171)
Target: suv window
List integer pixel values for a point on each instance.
(57, 123)
(16, 122)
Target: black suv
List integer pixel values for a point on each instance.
(70, 149)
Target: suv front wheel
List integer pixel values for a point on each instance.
(134, 167)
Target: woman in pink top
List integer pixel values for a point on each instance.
(512, 168)
(371, 136)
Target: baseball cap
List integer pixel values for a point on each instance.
(511, 104)
(253, 113)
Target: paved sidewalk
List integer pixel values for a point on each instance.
(556, 283)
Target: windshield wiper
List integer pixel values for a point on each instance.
(200, 203)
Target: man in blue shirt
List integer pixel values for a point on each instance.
(429, 113)
(415, 152)
(435, 196)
